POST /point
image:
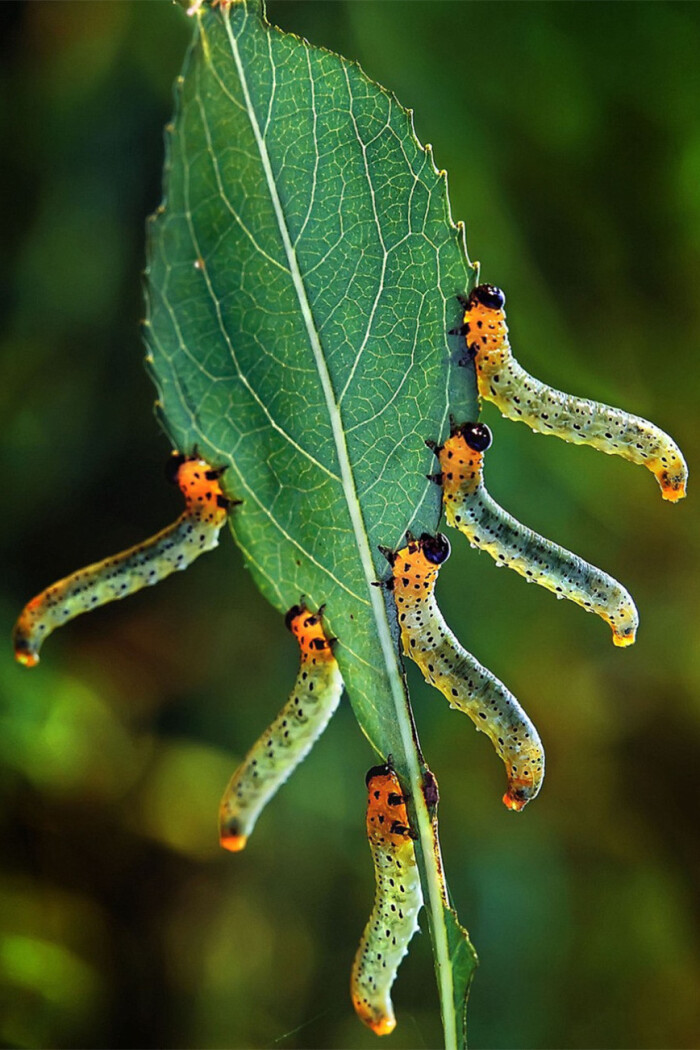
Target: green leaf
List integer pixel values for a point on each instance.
(301, 282)
(463, 962)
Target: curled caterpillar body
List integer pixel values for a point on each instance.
(195, 531)
(398, 899)
(282, 746)
(520, 396)
(464, 682)
(469, 508)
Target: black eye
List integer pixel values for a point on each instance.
(435, 548)
(477, 436)
(173, 465)
(377, 771)
(489, 295)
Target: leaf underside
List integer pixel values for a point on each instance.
(302, 277)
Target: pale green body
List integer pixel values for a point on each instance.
(391, 925)
(176, 547)
(280, 749)
(468, 686)
(488, 526)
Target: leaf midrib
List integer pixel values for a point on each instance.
(362, 540)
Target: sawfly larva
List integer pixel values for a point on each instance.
(282, 746)
(195, 531)
(397, 901)
(469, 508)
(520, 396)
(450, 668)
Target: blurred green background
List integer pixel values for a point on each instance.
(571, 134)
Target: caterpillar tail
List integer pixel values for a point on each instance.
(195, 531)
(397, 902)
(467, 685)
(469, 508)
(520, 396)
(285, 744)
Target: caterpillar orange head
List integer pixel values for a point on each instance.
(177, 460)
(307, 628)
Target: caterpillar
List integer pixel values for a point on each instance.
(450, 668)
(397, 901)
(291, 736)
(469, 508)
(195, 531)
(520, 396)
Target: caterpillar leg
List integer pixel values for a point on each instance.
(450, 668)
(291, 736)
(195, 531)
(469, 508)
(520, 396)
(397, 901)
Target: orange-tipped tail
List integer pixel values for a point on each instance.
(515, 804)
(384, 1027)
(671, 475)
(382, 1023)
(623, 640)
(673, 493)
(519, 793)
(26, 652)
(233, 843)
(25, 658)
